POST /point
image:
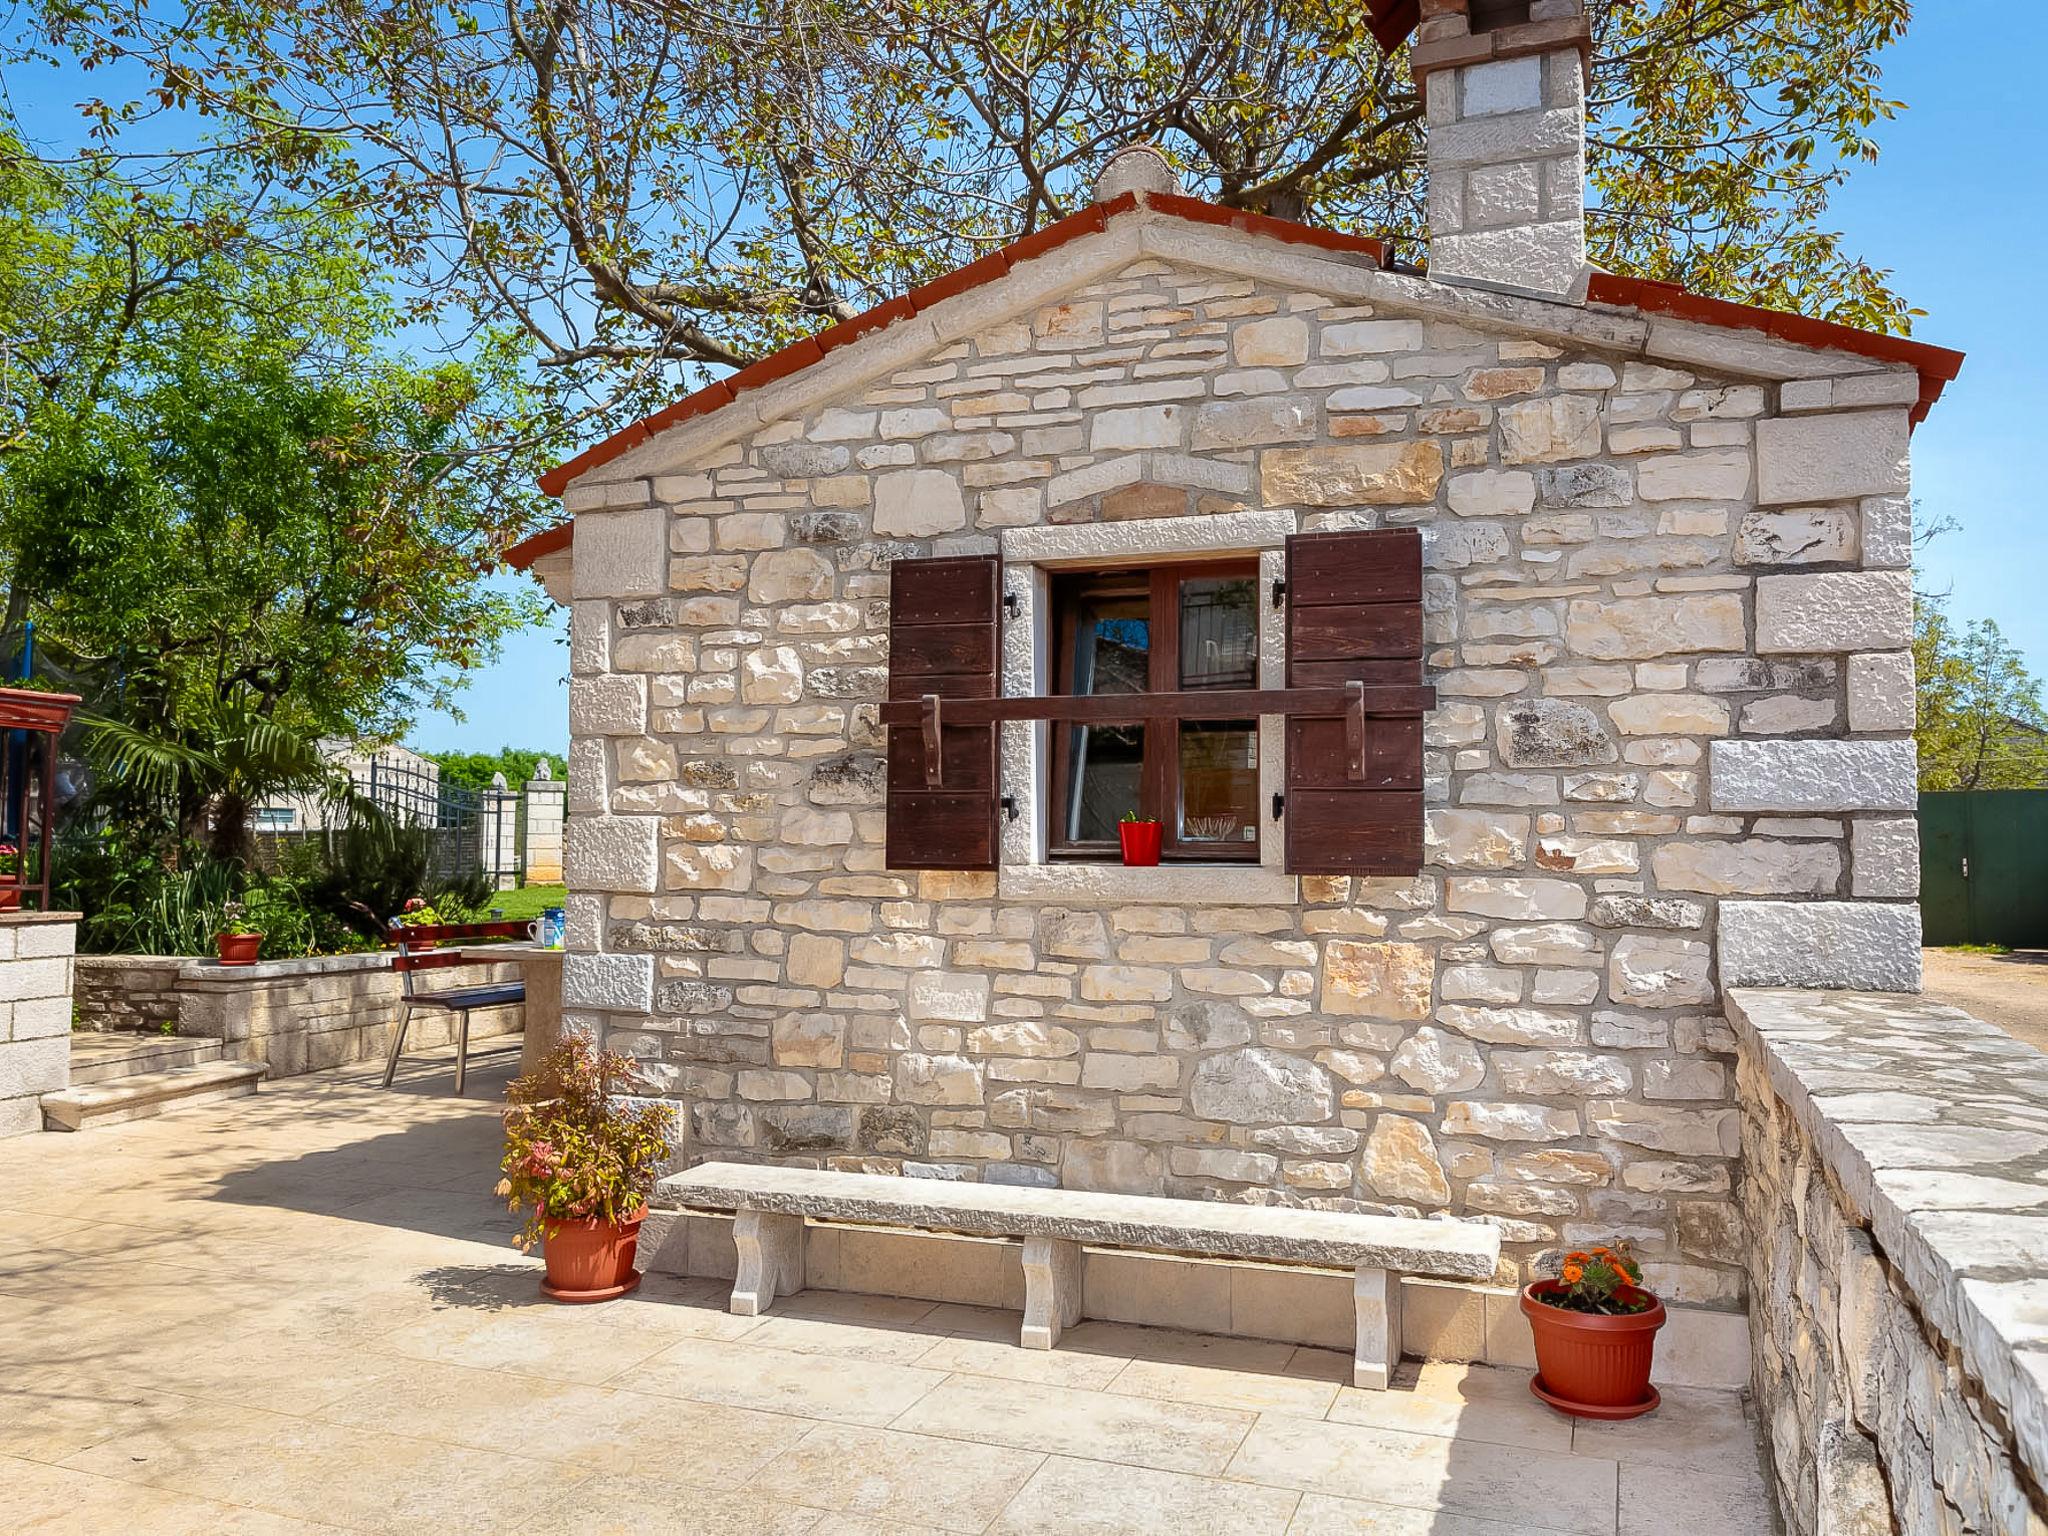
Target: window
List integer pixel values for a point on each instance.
(1162, 629)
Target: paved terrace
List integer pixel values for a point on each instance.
(297, 1313)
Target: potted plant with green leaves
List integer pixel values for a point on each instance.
(10, 876)
(1596, 1335)
(1140, 837)
(238, 941)
(581, 1157)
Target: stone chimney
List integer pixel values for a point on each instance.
(1505, 86)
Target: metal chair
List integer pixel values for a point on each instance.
(419, 949)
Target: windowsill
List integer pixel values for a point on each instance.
(1225, 884)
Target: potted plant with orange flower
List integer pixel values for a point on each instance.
(1596, 1335)
(581, 1157)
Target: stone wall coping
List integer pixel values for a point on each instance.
(1934, 1128)
(285, 970)
(32, 919)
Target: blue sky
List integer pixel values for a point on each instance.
(1957, 207)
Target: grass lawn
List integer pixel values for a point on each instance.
(526, 902)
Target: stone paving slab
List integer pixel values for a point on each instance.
(298, 1314)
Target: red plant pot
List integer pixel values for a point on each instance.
(10, 898)
(1591, 1366)
(238, 948)
(1141, 841)
(590, 1260)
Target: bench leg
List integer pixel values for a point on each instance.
(1377, 1293)
(461, 1052)
(771, 1250)
(1052, 1290)
(397, 1044)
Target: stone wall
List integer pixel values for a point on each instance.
(327, 1011)
(132, 992)
(1895, 1153)
(35, 1013)
(1668, 612)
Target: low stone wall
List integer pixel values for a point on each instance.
(35, 1013)
(1895, 1162)
(135, 992)
(327, 1011)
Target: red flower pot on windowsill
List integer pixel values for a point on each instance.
(1140, 841)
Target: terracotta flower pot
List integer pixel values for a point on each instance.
(10, 898)
(1591, 1366)
(238, 948)
(590, 1260)
(1141, 841)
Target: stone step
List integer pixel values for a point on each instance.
(150, 1093)
(106, 1058)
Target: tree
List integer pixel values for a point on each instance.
(473, 770)
(1979, 723)
(646, 188)
(235, 516)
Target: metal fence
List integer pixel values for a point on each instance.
(472, 829)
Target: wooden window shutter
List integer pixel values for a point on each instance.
(944, 634)
(1354, 614)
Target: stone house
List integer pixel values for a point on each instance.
(1578, 612)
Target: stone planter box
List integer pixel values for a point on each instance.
(326, 1011)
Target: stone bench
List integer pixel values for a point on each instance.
(770, 1206)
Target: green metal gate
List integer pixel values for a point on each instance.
(1984, 867)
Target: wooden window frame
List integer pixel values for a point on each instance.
(1160, 778)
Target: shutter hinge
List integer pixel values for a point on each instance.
(1013, 605)
(1279, 593)
(1279, 806)
(1009, 805)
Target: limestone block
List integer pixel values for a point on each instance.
(1750, 867)
(1834, 611)
(612, 853)
(794, 575)
(1796, 536)
(621, 554)
(1493, 493)
(1510, 1122)
(1881, 692)
(1253, 423)
(1552, 733)
(943, 1079)
(1625, 629)
(1514, 1026)
(1669, 714)
(949, 996)
(1722, 475)
(1833, 457)
(1659, 971)
(1573, 1074)
(1137, 426)
(1887, 532)
(1528, 899)
(1869, 946)
(1545, 259)
(1280, 341)
(1359, 337)
(1885, 857)
(1586, 485)
(1813, 776)
(1378, 981)
(30, 1067)
(1475, 839)
(918, 503)
(1257, 1086)
(1435, 1061)
(611, 705)
(1503, 85)
(1352, 474)
(614, 983)
(712, 867)
(1550, 430)
(774, 675)
(1662, 1128)
(1400, 1162)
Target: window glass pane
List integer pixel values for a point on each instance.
(1219, 632)
(1106, 764)
(1219, 781)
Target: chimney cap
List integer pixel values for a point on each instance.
(1139, 168)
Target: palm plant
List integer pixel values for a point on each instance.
(232, 757)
